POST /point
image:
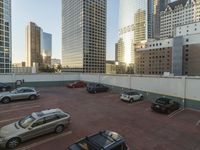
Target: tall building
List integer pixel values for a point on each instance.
(46, 48)
(38, 45)
(132, 27)
(154, 9)
(84, 35)
(5, 37)
(177, 13)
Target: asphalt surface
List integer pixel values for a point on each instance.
(142, 128)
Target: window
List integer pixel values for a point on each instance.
(38, 123)
(50, 118)
(28, 90)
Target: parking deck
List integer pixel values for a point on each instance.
(142, 128)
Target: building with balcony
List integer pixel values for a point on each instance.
(178, 13)
(84, 35)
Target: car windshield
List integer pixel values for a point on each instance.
(25, 122)
(128, 93)
(162, 101)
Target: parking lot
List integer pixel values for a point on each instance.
(142, 128)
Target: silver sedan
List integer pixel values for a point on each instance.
(19, 93)
(34, 125)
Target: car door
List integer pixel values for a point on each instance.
(37, 128)
(18, 94)
(51, 123)
(98, 88)
(34, 130)
(136, 96)
(26, 93)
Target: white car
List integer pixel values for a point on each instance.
(131, 96)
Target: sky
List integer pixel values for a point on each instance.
(47, 15)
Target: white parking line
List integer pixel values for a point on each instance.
(13, 104)
(175, 113)
(11, 119)
(17, 109)
(44, 141)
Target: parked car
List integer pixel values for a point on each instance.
(77, 84)
(34, 125)
(165, 105)
(96, 87)
(19, 93)
(131, 96)
(4, 87)
(106, 140)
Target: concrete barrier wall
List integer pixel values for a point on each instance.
(181, 87)
(10, 78)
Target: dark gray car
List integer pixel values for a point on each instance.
(34, 125)
(19, 93)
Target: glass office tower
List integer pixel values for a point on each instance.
(84, 35)
(132, 26)
(5, 36)
(46, 49)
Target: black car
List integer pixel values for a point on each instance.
(96, 87)
(165, 105)
(105, 140)
(4, 87)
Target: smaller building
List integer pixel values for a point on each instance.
(179, 56)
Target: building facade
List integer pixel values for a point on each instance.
(46, 48)
(154, 9)
(178, 55)
(178, 13)
(84, 35)
(38, 45)
(5, 37)
(132, 27)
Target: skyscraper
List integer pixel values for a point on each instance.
(84, 35)
(154, 9)
(132, 27)
(5, 37)
(38, 45)
(46, 48)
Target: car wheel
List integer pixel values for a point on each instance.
(59, 129)
(5, 100)
(32, 97)
(131, 100)
(141, 98)
(13, 143)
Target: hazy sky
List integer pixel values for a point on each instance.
(47, 15)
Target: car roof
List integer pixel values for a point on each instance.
(20, 88)
(101, 140)
(46, 112)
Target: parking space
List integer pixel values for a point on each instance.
(142, 128)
